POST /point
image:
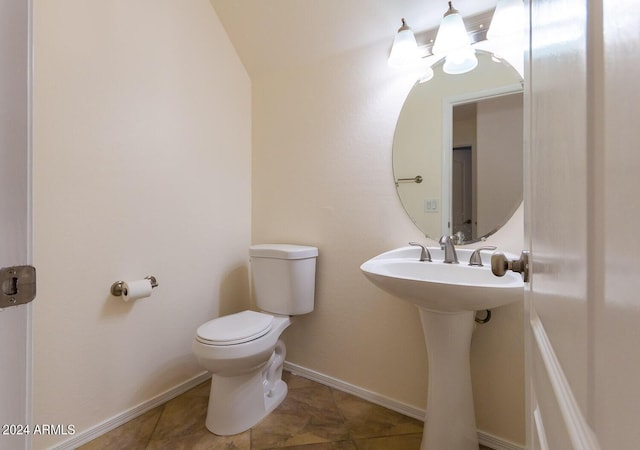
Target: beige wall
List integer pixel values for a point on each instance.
(322, 137)
(141, 166)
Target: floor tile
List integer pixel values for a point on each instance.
(403, 442)
(184, 415)
(365, 419)
(340, 445)
(311, 417)
(203, 440)
(308, 415)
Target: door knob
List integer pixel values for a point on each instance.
(500, 264)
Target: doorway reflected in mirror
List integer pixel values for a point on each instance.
(487, 146)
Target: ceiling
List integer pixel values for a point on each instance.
(272, 34)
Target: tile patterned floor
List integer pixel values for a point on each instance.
(312, 417)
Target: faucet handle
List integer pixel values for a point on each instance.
(476, 259)
(424, 253)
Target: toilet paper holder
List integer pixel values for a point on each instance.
(116, 288)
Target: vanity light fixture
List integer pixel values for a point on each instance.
(506, 32)
(505, 38)
(404, 52)
(453, 42)
(507, 21)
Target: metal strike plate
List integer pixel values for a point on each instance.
(17, 285)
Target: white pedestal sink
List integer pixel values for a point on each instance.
(447, 296)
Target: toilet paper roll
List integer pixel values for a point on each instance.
(133, 290)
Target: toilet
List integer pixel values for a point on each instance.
(243, 351)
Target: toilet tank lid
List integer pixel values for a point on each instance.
(282, 251)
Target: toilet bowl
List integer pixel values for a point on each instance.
(246, 383)
(243, 351)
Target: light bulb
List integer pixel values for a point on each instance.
(508, 20)
(460, 61)
(452, 34)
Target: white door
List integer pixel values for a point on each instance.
(582, 208)
(461, 191)
(14, 217)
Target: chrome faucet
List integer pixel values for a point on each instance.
(424, 253)
(450, 255)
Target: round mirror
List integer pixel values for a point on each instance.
(458, 150)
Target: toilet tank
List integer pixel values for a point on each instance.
(284, 277)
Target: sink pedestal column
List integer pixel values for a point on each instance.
(450, 422)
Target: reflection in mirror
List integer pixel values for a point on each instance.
(476, 188)
(484, 164)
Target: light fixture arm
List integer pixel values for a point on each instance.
(404, 26)
(451, 10)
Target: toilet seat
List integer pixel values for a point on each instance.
(235, 328)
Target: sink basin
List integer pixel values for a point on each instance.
(447, 296)
(443, 287)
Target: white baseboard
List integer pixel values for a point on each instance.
(497, 443)
(485, 439)
(114, 422)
